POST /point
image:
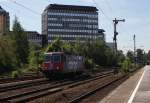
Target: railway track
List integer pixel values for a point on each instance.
(26, 83)
(27, 76)
(33, 92)
(93, 91)
(22, 84)
(76, 92)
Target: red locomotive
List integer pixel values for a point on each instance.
(59, 62)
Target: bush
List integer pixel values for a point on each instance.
(15, 74)
(33, 58)
(33, 68)
(8, 57)
(89, 64)
(126, 65)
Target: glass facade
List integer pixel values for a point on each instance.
(79, 22)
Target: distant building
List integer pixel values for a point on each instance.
(111, 45)
(4, 21)
(101, 34)
(36, 38)
(70, 22)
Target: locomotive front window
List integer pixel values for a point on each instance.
(56, 58)
(47, 58)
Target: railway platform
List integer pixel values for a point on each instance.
(136, 89)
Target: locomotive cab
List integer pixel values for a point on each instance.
(53, 62)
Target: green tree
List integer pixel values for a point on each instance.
(22, 46)
(98, 53)
(121, 56)
(78, 48)
(147, 56)
(8, 59)
(111, 58)
(126, 65)
(56, 45)
(33, 58)
(140, 56)
(130, 55)
(67, 48)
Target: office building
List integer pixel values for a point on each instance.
(101, 34)
(70, 22)
(4, 21)
(35, 38)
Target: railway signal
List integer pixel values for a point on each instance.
(116, 21)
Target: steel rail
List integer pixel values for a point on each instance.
(49, 90)
(87, 94)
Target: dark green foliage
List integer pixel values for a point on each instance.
(120, 57)
(130, 55)
(78, 48)
(33, 58)
(89, 64)
(126, 65)
(99, 53)
(55, 46)
(8, 59)
(148, 55)
(143, 57)
(20, 38)
(14, 49)
(111, 58)
(140, 56)
(16, 74)
(67, 48)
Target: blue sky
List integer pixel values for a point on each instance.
(136, 13)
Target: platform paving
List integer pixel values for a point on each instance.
(123, 92)
(143, 93)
